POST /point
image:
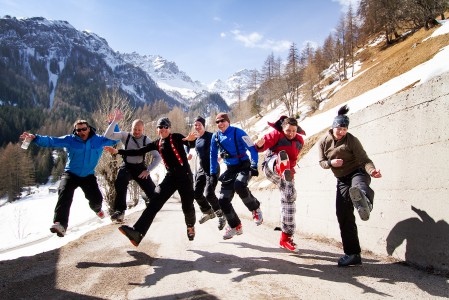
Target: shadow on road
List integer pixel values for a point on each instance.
(247, 267)
(24, 278)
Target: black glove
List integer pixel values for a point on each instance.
(254, 172)
(213, 180)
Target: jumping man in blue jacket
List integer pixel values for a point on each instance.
(84, 148)
(232, 143)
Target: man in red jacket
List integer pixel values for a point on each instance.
(282, 146)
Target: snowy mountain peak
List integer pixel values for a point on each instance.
(178, 84)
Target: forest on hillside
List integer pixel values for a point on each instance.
(295, 80)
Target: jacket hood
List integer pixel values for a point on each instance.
(278, 125)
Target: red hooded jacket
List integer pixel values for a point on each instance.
(276, 141)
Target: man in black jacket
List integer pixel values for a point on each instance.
(178, 178)
(204, 187)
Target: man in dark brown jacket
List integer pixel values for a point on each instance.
(343, 153)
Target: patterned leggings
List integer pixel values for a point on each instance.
(288, 195)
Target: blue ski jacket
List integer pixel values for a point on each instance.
(233, 143)
(82, 156)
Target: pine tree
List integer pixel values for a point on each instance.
(17, 171)
(44, 165)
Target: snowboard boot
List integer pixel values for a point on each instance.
(287, 242)
(283, 166)
(360, 202)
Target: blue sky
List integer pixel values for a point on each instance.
(207, 39)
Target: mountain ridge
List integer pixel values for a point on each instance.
(37, 45)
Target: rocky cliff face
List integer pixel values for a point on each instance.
(44, 63)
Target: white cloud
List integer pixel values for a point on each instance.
(223, 35)
(251, 40)
(256, 40)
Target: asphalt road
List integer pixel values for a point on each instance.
(102, 264)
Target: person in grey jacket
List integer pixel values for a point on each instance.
(133, 167)
(343, 153)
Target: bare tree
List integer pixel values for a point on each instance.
(241, 113)
(254, 98)
(385, 15)
(178, 120)
(424, 12)
(311, 80)
(341, 48)
(158, 108)
(237, 92)
(108, 165)
(330, 54)
(269, 77)
(351, 36)
(292, 78)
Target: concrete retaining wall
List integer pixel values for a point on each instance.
(407, 137)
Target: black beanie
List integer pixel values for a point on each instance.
(164, 122)
(201, 120)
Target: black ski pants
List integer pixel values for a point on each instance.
(70, 182)
(126, 173)
(180, 181)
(345, 209)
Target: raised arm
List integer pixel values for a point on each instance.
(110, 131)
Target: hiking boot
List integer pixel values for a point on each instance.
(360, 202)
(207, 216)
(221, 219)
(230, 232)
(283, 166)
(145, 198)
(58, 229)
(221, 222)
(100, 214)
(118, 216)
(350, 260)
(191, 233)
(257, 216)
(287, 242)
(133, 235)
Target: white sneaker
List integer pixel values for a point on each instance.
(58, 229)
(257, 216)
(100, 214)
(230, 232)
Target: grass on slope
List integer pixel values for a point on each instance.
(384, 63)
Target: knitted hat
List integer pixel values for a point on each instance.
(341, 120)
(163, 122)
(201, 120)
(223, 116)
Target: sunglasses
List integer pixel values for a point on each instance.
(80, 129)
(220, 121)
(160, 127)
